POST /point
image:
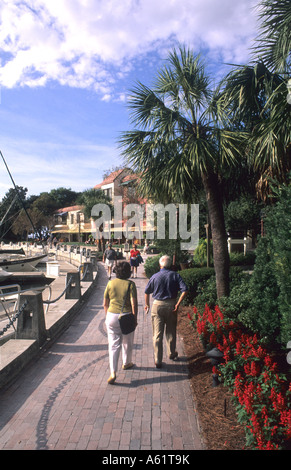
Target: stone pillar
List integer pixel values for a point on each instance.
(93, 260)
(88, 272)
(31, 322)
(74, 289)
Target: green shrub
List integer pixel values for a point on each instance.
(261, 313)
(265, 299)
(200, 254)
(239, 259)
(238, 300)
(235, 259)
(195, 278)
(151, 266)
(243, 213)
(207, 294)
(278, 233)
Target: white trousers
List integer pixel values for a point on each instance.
(117, 341)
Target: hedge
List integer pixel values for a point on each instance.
(195, 279)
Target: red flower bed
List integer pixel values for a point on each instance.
(262, 394)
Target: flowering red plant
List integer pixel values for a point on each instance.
(262, 395)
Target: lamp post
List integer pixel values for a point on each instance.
(216, 358)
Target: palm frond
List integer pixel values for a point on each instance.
(178, 128)
(273, 44)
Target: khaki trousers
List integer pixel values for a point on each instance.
(163, 318)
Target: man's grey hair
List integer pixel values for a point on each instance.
(165, 262)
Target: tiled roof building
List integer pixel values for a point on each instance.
(70, 221)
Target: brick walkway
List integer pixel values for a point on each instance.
(63, 401)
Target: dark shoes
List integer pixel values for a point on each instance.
(174, 356)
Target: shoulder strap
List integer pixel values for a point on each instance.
(125, 297)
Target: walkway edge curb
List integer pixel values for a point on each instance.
(20, 357)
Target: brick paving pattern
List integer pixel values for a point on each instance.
(63, 402)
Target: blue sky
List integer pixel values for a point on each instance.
(66, 67)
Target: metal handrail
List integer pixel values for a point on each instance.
(9, 294)
(4, 297)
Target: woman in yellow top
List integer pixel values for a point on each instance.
(116, 291)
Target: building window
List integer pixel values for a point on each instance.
(108, 192)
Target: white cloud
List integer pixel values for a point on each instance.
(90, 43)
(42, 166)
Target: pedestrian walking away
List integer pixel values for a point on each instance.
(120, 296)
(164, 287)
(135, 258)
(109, 258)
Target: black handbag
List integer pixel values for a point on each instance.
(127, 322)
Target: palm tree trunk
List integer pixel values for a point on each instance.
(219, 237)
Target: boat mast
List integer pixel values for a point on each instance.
(17, 192)
(3, 218)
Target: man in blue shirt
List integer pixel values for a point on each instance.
(164, 286)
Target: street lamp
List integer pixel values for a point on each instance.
(216, 358)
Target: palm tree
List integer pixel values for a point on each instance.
(182, 142)
(271, 139)
(90, 197)
(273, 44)
(259, 105)
(258, 96)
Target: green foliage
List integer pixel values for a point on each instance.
(235, 259)
(278, 236)
(274, 41)
(200, 254)
(195, 279)
(63, 197)
(45, 203)
(172, 247)
(242, 214)
(238, 300)
(151, 266)
(90, 198)
(10, 208)
(264, 299)
(261, 301)
(262, 314)
(206, 293)
(239, 259)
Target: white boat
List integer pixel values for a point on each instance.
(9, 251)
(4, 275)
(20, 264)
